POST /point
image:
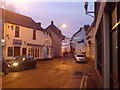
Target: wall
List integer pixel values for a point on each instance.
(56, 43)
(79, 46)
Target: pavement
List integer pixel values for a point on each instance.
(54, 73)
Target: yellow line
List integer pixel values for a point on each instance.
(85, 81)
(81, 84)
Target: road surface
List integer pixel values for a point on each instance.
(55, 73)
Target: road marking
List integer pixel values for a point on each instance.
(83, 83)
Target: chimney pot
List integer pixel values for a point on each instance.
(52, 22)
(39, 24)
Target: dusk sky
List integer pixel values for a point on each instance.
(71, 14)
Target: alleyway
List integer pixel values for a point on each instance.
(55, 73)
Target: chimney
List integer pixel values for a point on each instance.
(86, 27)
(52, 22)
(39, 24)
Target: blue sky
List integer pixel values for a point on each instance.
(70, 13)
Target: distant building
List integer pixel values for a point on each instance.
(65, 45)
(23, 36)
(56, 36)
(78, 42)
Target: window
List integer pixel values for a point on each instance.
(12, 27)
(100, 48)
(16, 51)
(35, 52)
(10, 51)
(16, 31)
(34, 34)
(38, 52)
(47, 50)
(23, 51)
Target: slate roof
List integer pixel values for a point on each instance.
(55, 30)
(18, 19)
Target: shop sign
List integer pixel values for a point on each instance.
(17, 42)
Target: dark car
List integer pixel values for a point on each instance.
(4, 66)
(22, 62)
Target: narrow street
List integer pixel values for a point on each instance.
(55, 73)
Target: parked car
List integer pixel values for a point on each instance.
(80, 58)
(4, 66)
(22, 62)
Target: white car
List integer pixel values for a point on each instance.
(80, 58)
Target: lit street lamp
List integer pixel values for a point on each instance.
(64, 25)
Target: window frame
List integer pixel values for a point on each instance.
(34, 34)
(17, 31)
(11, 53)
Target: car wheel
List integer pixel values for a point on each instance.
(6, 71)
(34, 66)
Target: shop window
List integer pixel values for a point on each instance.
(41, 52)
(35, 52)
(47, 50)
(34, 34)
(38, 52)
(10, 51)
(100, 49)
(23, 51)
(16, 51)
(31, 52)
(17, 31)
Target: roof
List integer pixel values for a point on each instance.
(77, 32)
(90, 28)
(18, 19)
(55, 30)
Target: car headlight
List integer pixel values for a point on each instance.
(77, 57)
(15, 64)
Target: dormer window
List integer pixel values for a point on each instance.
(34, 34)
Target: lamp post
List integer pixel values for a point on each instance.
(86, 10)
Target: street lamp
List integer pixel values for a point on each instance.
(64, 25)
(86, 10)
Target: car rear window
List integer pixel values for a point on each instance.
(80, 55)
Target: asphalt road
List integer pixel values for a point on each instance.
(55, 73)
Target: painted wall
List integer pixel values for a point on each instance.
(56, 43)
(90, 48)
(26, 35)
(79, 47)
